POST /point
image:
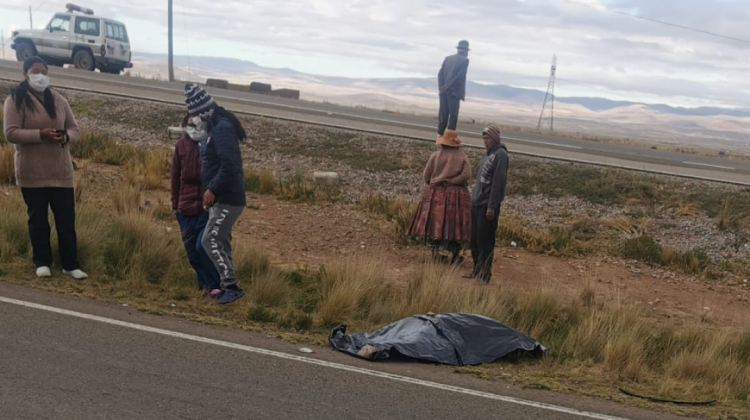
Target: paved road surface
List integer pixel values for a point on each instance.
(109, 362)
(421, 127)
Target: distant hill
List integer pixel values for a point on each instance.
(489, 102)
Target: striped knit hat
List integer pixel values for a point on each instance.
(493, 132)
(198, 101)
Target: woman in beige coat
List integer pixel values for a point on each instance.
(40, 123)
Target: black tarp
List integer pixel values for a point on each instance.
(451, 339)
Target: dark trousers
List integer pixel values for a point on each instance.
(483, 236)
(448, 116)
(62, 202)
(192, 228)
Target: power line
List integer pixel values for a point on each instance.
(661, 22)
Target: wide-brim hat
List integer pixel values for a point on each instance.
(463, 45)
(449, 138)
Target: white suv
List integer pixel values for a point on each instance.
(77, 37)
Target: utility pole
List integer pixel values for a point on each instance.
(31, 19)
(171, 43)
(549, 98)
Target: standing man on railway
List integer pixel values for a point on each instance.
(452, 85)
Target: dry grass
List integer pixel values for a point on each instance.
(127, 199)
(260, 182)
(350, 289)
(556, 240)
(299, 189)
(627, 225)
(7, 165)
(14, 236)
(399, 211)
(148, 170)
(270, 289)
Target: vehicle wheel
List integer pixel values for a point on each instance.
(84, 60)
(24, 50)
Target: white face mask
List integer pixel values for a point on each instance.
(195, 134)
(39, 82)
(199, 124)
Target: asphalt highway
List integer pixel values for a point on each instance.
(70, 358)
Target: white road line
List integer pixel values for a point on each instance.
(338, 366)
(708, 165)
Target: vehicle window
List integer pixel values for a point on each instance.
(87, 26)
(60, 24)
(111, 34)
(122, 34)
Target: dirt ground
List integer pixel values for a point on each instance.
(304, 237)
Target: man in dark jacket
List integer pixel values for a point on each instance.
(221, 170)
(187, 202)
(452, 84)
(488, 195)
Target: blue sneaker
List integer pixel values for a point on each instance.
(230, 295)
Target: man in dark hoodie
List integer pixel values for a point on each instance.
(488, 195)
(221, 171)
(452, 85)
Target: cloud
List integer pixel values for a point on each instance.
(512, 40)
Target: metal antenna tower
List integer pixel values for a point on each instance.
(549, 99)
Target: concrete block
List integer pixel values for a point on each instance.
(217, 83)
(175, 132)
(286, 93)
(326, 178)
(238, 88)
(258, 87)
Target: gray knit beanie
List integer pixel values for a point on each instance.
(198, 101)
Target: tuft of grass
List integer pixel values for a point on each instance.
(556, 240)
(14, 234)
(398, 210)
(261, 314)
(139, 251)
(260, 182)
(643, 248)
(127, 199)
(103, 148)
(7, 164)
(299, 189)
(350, 289)
(148, 170)
(250, 262)
(270, 289)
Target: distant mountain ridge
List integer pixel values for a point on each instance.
(428, 87)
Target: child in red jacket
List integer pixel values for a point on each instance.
(187, 202)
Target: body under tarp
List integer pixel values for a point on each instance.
(451, 339)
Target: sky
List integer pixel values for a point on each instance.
(600, 52)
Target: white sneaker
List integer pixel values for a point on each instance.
(76, 274)
(43, 272)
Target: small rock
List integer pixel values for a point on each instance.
(306, 350)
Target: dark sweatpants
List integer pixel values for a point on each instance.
(62, 203)
(448, 116)
(483, 234)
